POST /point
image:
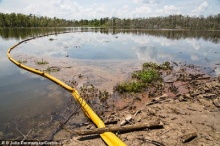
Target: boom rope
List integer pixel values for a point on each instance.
(109, 138)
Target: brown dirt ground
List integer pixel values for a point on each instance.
(192, 107)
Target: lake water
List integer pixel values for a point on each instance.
(24, 95)
(201, 48)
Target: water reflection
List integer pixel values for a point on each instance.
(91, 45)
(213, 36)
(23, 94)
(148, 53)
(21, 33)
(145, 46)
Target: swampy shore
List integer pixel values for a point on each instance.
(183, 98)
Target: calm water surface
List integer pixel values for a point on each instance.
(196, 47)
(25, 94)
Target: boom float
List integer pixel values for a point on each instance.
(110, 138)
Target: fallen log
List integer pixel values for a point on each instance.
(150, 125)
(188, 137)
(203, 78)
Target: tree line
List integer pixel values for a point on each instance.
(170, 22)
(22, 33)
(22, 20)
(211, 22)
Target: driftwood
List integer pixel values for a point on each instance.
(126, 120)
(188, 137)
(203, 78)
(150, 125)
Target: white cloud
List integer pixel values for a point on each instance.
(121, 13)
(168, 9)
(82, 9)
(147, 53)
(66, 9)
(136, 1)
(166, 42)
(150, 1)
(30, 75)
(194, 43)
(141, 41)
(201, 8)
(142, 11)
(194, 57)
(146, 1)
(151, 54)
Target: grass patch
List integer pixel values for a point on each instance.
(164, 66)
(150, 74)
(42, 62)
(52, 69)
(130, 87)
(103, 96)
(22, 61)
(147, 76)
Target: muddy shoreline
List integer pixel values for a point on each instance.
(77, 73)
(187, 101)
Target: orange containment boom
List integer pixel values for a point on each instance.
(110, 138)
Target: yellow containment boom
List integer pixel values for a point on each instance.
(110, 138)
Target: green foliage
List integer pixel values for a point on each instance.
(42, 62)
(169, 22)
(52, 69)
(22, 61)
(130, 87)
(103, 96)
(147, 76)
(22, 20)
(166, 66)
(151, 65)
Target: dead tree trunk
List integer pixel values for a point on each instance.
(150, 125)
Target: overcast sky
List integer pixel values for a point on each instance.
(90, 9)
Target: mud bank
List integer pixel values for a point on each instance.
(187, 105)
(186, 102)
(102, 74)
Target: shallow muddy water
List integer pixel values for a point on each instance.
(105, 57)
(156, 46)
